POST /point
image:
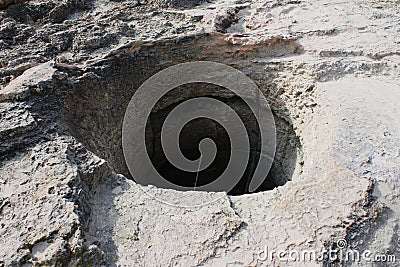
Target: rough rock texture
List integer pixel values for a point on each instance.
(68, 69)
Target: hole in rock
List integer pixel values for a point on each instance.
(96, 121)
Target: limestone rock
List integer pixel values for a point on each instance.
(69, 68)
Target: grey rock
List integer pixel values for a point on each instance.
(69, 68)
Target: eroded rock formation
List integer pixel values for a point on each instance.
(69, 68)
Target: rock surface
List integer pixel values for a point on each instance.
(69, 67)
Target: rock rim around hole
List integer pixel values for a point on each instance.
(62, 202)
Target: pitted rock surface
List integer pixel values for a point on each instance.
(329, 70)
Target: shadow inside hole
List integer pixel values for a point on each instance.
(196, 130)
(190, 137)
